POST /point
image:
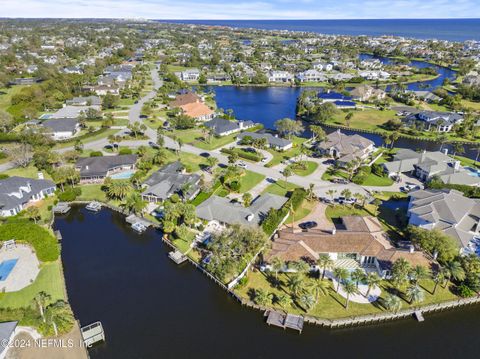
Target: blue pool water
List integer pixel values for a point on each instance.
(123, 175)
(472, 172)
(6, 267)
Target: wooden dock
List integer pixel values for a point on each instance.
(419, 315)
(177, 256)
(93, 333)
(58, 235)
(61, 208)
(284, 321)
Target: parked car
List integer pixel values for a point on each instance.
(264, 159)
(325, 200)
(153, 145)
(250, 149)
(205, 154)
(308, 225)
(271, 180)
(242, 164)
(409, 187)
(340, 181)
(344, 200)
(328, 162)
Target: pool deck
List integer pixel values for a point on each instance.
(25, 271)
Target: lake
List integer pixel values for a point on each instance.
(151, 308)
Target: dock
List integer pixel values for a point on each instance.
(177, 256)
(94, 206)
(93, 333)
(61, 208)
(58, 235)
(419, 315)
(138, 224)
(284, 321)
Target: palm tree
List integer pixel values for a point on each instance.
(307, 301)
(160, 157)
(318, 287)
(212, 161)
(357, 276)
(283, 300)
(59, 315)
(392, 303)
(331, 193)
(187, 186)
(349, 288)
(295, 284)
(276, 266)
(454, 270)
(415, 294)
(287, 172)
(33, 213)
(41, 299)
(371, 280)
(135, 203)
(418, 273)
(247, 199)
(400, 270)
(262, 298)
(300, 266)
(118, 189)
(438, 277)
(310, 192)
(341, 274)
(324, 261)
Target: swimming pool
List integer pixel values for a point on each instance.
(472, 172)
(123, 175)
(6, 267)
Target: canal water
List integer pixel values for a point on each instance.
(152, 308)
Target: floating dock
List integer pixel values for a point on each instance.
(138, 224)
(93, 333)
(419, 315)
(61, 208)
(58, 235)
(177, 256)
(284, 321)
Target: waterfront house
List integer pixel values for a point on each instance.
(275, 142)
(96, 169)
(356, 242)
(367, 93)
(226, 212)
(198, 111)
(280, 76)
(435, 120)
(69, 111)
(16, 193)
(426, 96)
(322, 66)
(61, 128)
(449, 211)
(311, 76)
(189, 75)
(84, 101)
(424, 165)
(345, 148)
(185, 99)
(223, 127)
(331, 96)
(169, 180)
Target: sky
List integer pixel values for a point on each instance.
(242, 9)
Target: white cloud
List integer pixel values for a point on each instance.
(243, 9)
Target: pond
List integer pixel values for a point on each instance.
(151, 308)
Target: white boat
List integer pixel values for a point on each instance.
(139, 227)
(94, 206)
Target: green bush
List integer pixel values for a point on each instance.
(42, 240)
(70, 194)
(255, 157)
(3, 176)
(464, 291)
(96, 154)
(378, 170)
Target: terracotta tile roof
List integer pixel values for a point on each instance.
(196, 109)
(185, 99)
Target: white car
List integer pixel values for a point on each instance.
(242, 164)
(264, 159)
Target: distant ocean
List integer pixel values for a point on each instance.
(443, 29)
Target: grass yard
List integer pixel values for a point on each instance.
(373, 180)
(364, 119)
(6, 95)
(92, 192)
(329, 175)
(49, 280)
(87, 139)
(310, 167)
(31, 172)
(332, 305)
(215, 142)
(250, 180)
(280, 188)
(304, 210)
(467, 161)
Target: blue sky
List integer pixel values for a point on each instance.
(242, 9)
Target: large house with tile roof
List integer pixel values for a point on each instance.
(435, 120)
(449, 211)
(358, 242)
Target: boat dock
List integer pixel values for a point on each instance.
(93, 333)
(138, 224)
(419, 315)
(94, 206)
(61, 208)
(58, 235)
(177, 256)
(284, 321)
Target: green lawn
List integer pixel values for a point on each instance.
(250, 180)
(49, 280)
(30, 172)
(92, 192)
(215, 142)
(87, 139)
(467, 161)
(332, 305)
(310, 167)
(280, 188)
(304, 210)
(370, 119)
(329, 175)
(6, 95)
(373, 180)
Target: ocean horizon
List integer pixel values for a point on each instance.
(441, 29)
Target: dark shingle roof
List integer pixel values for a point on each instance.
(99, 166)
(13, 184)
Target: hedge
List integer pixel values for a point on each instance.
(9, 137)
(242, 154)
(23, 230)
(274, 217)
(70, 194)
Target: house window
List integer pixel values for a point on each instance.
(347, 256)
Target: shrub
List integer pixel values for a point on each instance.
(378, 170)
(70, 194)
(96, 154)
(464, 291)
(246, 155)
(42, 240)
(3, 176)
